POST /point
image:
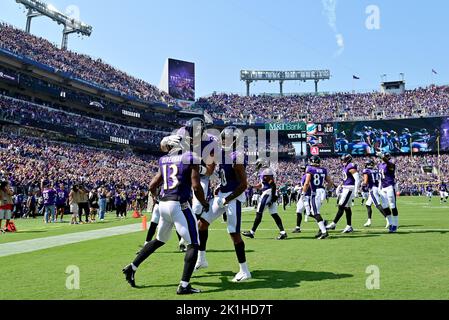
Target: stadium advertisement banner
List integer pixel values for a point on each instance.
(181, 80)
(394, 136)
(296, 126)
(8, 77)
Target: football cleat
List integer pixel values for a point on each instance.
(248, 234)
(323, 236)
(282, 236)
(393, 229)
(367, 224)
(129, 274)
(187, 290)
(241, 276)
(348, 229)
(297, 230)
(331, 226)
(201, 264)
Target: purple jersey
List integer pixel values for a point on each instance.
(348, 178)
(176, 173)
(443, 187)
(319, 176)
(228, 176)
(61, 197)
(49, 196)
(303, 182)
(429, 189)
(387, 174)
(373, 178)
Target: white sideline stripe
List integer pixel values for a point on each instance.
(12, 248)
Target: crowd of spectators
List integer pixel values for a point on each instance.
(13, 108)
(411, 174)
(79, 65)
(431, 101)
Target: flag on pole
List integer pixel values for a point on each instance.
(355, 77)
(434, 72)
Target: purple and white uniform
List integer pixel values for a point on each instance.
(265, 200)
(373, 186)
(319, 177)
(304, 203)
(443, 191)
(208, 146)
(176, 193)
(349, 189)
(229, 183)
(388, 184)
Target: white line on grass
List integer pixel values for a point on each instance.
(12, 248)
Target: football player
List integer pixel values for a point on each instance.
(303, 204)
(204, 145)
(365, 194)
(443, 192)
(387, 170)
(268, 200)
(316, 178)
(349, 191)
(371, 181)
(229, 197)
(177, 176)
(429, 192)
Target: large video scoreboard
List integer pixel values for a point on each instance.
(321, 139)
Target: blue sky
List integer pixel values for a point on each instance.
(224, 36)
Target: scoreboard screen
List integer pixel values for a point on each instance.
(321, 139)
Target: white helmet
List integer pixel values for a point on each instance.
(171, 143)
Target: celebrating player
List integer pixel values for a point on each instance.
(349, 190)
(204, 145)
(229, 198)
(387, 171)
(316, 177)
(371, 181)
(268, 200)
(178, 176)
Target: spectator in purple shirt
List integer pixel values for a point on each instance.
(49, 194)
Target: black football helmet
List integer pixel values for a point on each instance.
(315, 161)
(387, 156)
(346, 158)
(195, 129)
(370, 164)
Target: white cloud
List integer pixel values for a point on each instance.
(330, 11)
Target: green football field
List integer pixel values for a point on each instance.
(413, 264)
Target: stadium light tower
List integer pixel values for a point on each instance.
(38, 8)
(282, 76)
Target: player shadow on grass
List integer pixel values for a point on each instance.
(268, 279)
(208, 251)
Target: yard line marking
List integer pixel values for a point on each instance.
(12, 248)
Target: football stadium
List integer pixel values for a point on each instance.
(303, 186)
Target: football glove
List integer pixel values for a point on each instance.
(206, 207)
(221, 203)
